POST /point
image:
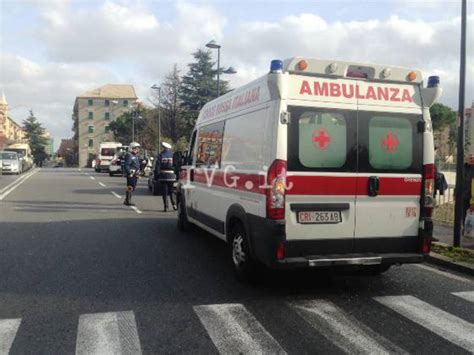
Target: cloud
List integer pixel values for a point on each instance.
(85, 46)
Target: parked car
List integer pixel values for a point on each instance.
(11, 163)
(24, 154)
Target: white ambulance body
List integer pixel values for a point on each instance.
(318, 163)
(107, 151)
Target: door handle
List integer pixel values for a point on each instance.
(373, 186)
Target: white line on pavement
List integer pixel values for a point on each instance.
(452, 328)
(444, 273)
(8, 329)
(467, 295)
(91, 177)
(115, 194)
(18, 182)
(136, 209)
(108, 333)
(102, 184)
(234, 330)
(343, 330)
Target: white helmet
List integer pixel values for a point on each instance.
(166, 145)
(134, 145)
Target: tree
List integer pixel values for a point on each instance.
(199, 87)
(173, 122)
(441, 116)
(122, 126)
(34, 133)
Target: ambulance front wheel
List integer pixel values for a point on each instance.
(183, 223)
(244, 265)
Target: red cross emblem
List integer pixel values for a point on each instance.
(322, 139)
(391, 142)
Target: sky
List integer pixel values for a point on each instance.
(53, 50)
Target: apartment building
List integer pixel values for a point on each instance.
(10, 131)
(93, 111)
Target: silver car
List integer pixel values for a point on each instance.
(10, 163)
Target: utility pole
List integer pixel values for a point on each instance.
(458, 205)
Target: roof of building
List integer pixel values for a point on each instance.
(111, 91)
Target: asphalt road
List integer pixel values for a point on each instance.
(81, 272)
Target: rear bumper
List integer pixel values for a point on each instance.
(349, 260)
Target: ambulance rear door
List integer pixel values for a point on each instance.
(390, 165)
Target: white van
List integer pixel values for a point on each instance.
(26, 155)
(107, 152)
(318, 163)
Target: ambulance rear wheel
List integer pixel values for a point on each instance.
(244, 266)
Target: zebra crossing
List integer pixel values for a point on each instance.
(232, 328)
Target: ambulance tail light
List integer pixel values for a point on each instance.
(276, 183)
(428, 193)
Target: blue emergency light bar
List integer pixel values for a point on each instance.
(433, 81)
(276, 66)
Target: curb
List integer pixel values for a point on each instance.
(441, 260)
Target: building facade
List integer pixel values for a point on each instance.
(10, 131)
(93, 112)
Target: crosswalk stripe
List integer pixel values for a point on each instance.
(342, 329)
(467, 295)
(234, 330)
(108, 333)
(8, 329)
(444, 324)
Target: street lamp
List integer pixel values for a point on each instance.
(156, 87)
(134, 115)
(213, 45)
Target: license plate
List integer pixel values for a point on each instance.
(319, 217)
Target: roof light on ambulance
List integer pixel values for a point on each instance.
(276, 66)
(433, 81)
(412, 76)
(302, 64)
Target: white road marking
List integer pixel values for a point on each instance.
(8, 329)
(102, 184)
(234, 330)
(136, 209)
(444, 273)
(91, 177)
(467, 295)
(452, 328)
(11, 187)
(108, 333)
(115, 194)
(343, 330)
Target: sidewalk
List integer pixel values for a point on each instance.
(445, 235)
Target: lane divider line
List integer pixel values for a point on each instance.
(26, 177)
(136, 209)
(17, 180)
(91, 177)
(102, 184)
(115, 194)
(444, 273)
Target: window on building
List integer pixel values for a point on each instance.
(91, 115)
(107, 115)
(107, 103)
(91, 102)
(91, 143)
(125, 103)
(91, 129)
(107, 129)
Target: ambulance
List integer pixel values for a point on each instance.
(319, 163)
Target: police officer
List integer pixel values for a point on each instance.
(165, 174)
(132, 170)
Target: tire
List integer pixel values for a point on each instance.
(244, 265)
(374, 270)
(183, 224)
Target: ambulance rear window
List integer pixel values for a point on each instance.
(320, 139)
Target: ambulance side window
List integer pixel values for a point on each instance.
(209, 145)
(192, 149)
